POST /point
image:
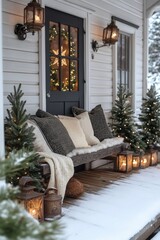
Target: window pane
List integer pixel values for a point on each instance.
(123, 60)
(64, 40)
(73, 41)
(74, 75)
(54, 38)
(65, 74)
(54, 74)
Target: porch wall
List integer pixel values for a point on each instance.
(21, 63)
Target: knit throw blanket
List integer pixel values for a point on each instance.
(61, 168)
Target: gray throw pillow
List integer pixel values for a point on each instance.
(40, 113)
(99, 124)
(55, 134)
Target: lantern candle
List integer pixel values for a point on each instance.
(135, 160)
(145, 160)
(135, 163)
(124, 161)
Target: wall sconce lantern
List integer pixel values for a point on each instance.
(33, 20)
(124, 161)
(110, 36)
(31, 200)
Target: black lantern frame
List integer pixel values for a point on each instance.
(33, 20)
(110, 36)
(124, 162)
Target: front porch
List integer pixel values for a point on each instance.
(114, 206)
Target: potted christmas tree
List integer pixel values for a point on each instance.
(149, 118)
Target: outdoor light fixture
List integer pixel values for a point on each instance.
(31, 200)
(124, 161)
(33, 20)
(110, 36)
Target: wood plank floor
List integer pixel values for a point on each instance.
(95, 181)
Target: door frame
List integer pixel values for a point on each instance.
(79, 12)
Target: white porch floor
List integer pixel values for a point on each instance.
(117, 211)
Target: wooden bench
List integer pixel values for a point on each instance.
(86, 158)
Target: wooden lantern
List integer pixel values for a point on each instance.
(124, 161)
(145, 160)
(153, 157)
(52, 204)
(31, 200)
(136, 158)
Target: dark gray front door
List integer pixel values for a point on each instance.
(64, 62)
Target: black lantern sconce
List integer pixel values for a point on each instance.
(33, 20)
(110, 36)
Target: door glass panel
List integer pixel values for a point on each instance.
(73, 75)
(54, 38)
(73, 41)
(54, 74)
(65, 74)
(64, 40)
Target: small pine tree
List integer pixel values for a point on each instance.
(123, 123)
(150, 118)
(17, 134)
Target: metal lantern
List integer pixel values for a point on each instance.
(124, 161)
(145, 160)
(33, 20)
(153, 157)
(110, 34)
(136, 158)
(33, 16)
(52, 204)
(31, 200)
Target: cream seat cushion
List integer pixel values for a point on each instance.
(86, 125)
(74, 130)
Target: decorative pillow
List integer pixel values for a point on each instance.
(40, 113)
(86, 125)
(56, 134)
(74, 130)
(77, 111)
(40, 143)
(99, 124)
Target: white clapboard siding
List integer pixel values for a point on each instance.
(24, 78)
(10, 66)
(20, 58)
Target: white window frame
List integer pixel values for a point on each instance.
(124, 28)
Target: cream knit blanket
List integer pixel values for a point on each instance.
(61, 168)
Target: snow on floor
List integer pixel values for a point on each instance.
(118, 211)
(157, 236)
